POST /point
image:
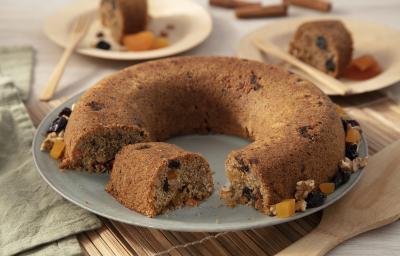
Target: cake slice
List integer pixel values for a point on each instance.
(123, 17)
(326, 45)
(153, 177)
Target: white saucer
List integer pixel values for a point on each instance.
(192, 24)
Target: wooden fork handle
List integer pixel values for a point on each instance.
(55, 77)
(316, 243)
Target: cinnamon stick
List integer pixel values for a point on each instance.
(232, 3)
(319, 5)
(247, 12)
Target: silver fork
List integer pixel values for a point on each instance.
(78, 31)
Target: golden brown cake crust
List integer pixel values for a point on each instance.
(296, 131)
(337, 45)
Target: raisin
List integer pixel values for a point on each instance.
(254, 83)
(58, 125)
(315, 199)
(351, 151)
(99, 34)
(330, 65)
(65, 112)
(341, 178)
(174, 164)
(242, 166)
(103, 45)
(165, 185)
(321, 42)
(248, 193)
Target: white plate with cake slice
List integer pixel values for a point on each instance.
(87, 190)
(184, 23)
(368, 38)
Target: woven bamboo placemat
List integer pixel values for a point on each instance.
(380, 119)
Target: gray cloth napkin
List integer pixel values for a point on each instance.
(34, 220)
(16, 63)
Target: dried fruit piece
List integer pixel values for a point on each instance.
(330, 65)
(174, 164)
(327, 188)
(103, 45)
(165, 185)
(315, 199)
(286, 208)
(171, 175)
(362, 68)
(160, 42)
(58, 125)
(353, 135)
(65, 112)
(248, 193)
(141, 41)
(340, 178)
(321, 42)
(57, 149)
(192, 202)
(351, 151)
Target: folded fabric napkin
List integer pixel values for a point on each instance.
(34, 220)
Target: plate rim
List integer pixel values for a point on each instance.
(243, 42)
(126, 56)
(173, 225)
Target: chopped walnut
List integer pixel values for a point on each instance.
(359, 162)
(301, 206)
(303, 188)
(47, 144)
(72, 107)
(346, 165)
(272, 210)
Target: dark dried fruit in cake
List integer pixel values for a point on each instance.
(315, 199)
(100, 34)
(174, 164)
(248, 193)
(330, 65)
(321, 42)
(58, 125)
(65, 112)
(341, 178)
(165, 185)
(103, 45)
(351, 151)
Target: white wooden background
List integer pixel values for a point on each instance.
(21, 23)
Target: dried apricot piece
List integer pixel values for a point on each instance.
(353, 135)
(362, 68)
(57, 149)
(160, 42)
(327, 188)
(141, 41)
(364, 62)
(192, 202)
(286, 208)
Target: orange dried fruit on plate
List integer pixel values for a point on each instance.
(141, 41)
(364, 62)
(362, 68)
(327, 188)
(57, 149)
(160, 42)
(286, 208)
(353, 135)
(192, 202)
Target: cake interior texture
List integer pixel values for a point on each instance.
(153, 177)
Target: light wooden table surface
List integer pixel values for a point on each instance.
(21, 23)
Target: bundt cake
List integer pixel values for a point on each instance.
(327, 45)
(152, 177)
(123, 16)
(296, 132)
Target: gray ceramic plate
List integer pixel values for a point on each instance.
(87, 190)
